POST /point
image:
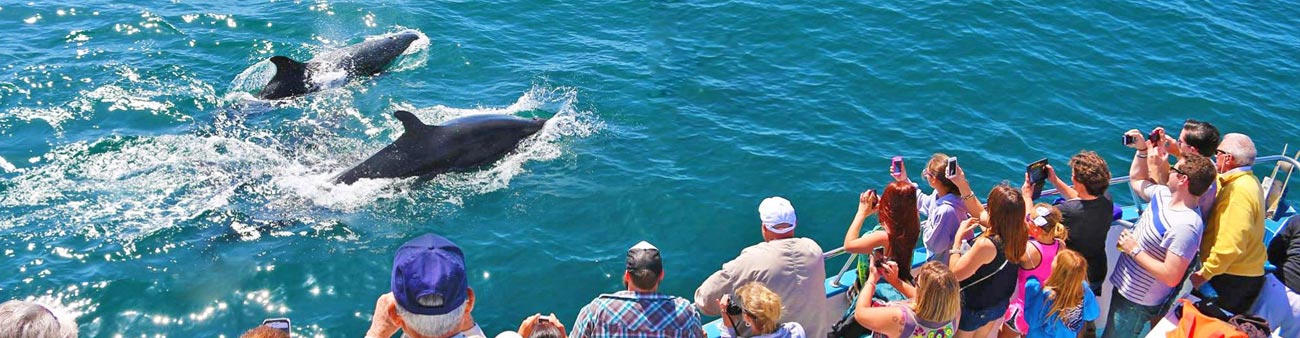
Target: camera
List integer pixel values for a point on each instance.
(1156, 136)
(733, 306)
(1129, 139)
(952, 167)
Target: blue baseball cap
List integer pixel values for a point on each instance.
(429, 276)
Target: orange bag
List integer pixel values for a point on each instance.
(1193, 324)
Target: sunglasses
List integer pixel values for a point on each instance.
(1180, 172)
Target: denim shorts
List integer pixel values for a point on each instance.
(973, 319)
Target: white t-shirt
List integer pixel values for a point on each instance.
(1161, 230)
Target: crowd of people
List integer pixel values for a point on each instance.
(1004, 264)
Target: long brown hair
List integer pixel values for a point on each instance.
(1065, 284)
(1007, 221)
(938, 295)
(903, 224)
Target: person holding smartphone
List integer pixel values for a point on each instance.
(943, 207)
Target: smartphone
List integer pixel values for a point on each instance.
(1037, 171)
(879, 253)
(281, 324)
(1129, 139)
(952, 167)
(896, 165)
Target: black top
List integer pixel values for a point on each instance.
(1088, 222)
(1284, 253)
(979, 292)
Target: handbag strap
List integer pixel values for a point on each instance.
(995, 272)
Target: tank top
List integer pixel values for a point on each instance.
(992, 284)
(1044, 269)
(916, 328)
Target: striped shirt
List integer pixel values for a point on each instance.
(1161, 230)
(635, 314)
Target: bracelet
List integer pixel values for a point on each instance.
(968, 196)
(1141, 155)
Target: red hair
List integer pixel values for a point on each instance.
(903, 224)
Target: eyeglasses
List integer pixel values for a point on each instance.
(1218, 152)
(1180, 172)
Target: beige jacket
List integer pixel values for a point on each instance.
(793, 268)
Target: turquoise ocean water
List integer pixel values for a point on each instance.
(142, 189)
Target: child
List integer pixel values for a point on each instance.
(1060, 307)
(1048, 237)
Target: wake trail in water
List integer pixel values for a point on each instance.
(126, 188)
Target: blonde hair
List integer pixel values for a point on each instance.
(761, 304)
(1065, 284)
(938, 296)
(1054, 229)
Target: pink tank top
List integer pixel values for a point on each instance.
(1016, 310)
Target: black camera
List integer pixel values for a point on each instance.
(733, 305)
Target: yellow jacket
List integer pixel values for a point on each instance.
(1233, 241)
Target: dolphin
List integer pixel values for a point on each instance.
(293, 78)
(462, 144)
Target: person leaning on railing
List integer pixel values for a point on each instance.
(1232, 251)
(790, 266)
(932, 313)
(1162, 244)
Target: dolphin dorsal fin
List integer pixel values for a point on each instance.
(409, 121)
(286, 66)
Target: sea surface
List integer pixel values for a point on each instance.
(144, 190)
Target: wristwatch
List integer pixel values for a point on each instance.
(1135, 251)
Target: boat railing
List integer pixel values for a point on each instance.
(1052, 192)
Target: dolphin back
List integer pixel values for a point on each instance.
(290, 79)
(462, 144)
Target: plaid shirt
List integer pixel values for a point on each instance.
(634, 314)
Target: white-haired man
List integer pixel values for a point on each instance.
(790, 266)
(28, 319)
(430, 297)
(1232, 251)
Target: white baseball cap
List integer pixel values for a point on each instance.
(775, 211)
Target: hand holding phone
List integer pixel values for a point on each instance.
(951, 168)
(896, 165)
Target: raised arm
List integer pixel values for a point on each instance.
(1065, 189)
(973, 206)
(853, 240)
(1139, 178)
(964, 264)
